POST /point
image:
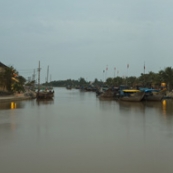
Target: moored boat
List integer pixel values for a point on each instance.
(153, 94)
(107, 94)
(45, 94)
(131, 95)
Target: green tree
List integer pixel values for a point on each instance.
(10, 75)
(2, 80)
(109, 81)
(82, 81)
(118, 81)
(8, 78)
(18, 85)
(22, 80)
(131, 81)
(167, 77)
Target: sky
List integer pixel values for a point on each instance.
(89, 39)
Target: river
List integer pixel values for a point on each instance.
(79, 133)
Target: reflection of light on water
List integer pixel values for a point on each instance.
(164, 107)
(13, 126)
(13, 105)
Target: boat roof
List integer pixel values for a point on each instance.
(2, 65)
(149, 90)
(152, 90)
(131, 90)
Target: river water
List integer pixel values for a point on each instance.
(78, 133)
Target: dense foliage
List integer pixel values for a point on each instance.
(10, 80)
(150, 79)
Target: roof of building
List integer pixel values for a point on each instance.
(2, 65)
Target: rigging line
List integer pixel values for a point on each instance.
(26, 69)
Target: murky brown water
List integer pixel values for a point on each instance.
(78, 133)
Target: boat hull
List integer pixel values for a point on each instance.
(136, 97)
(107, 94)
(154, 98)
(45, 95)
(153, 94)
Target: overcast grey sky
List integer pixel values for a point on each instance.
(78, 38)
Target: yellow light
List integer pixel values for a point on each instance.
(163, 84)
(13, 105)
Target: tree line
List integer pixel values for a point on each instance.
(164, 78)
(11, 81)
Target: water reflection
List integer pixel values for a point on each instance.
(8, 121)
(164, 103)
(135, 106)
(167, 107)
(76, 132)
(21, 104)
(12, 105)
(153, 104)
(45, 102)
(107, 103)
(132, 108)
(7, 127)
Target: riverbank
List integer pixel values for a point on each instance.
(22, 96)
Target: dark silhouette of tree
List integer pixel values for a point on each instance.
(167, 77)
(9, 79)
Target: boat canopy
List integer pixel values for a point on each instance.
(148, 90)
(131, 91)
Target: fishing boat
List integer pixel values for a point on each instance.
(153, 94)
(107, 94)
(100, 90)
(131, 95)
(46, 93)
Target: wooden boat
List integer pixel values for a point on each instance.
(45, 94)
(131, 95)
(107, 94)
(153, 94)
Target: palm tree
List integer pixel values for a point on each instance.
(167, 77)
(19, 84)
(9, 77)
(2, 80)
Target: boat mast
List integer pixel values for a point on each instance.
(39, 69)
(47, 73)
